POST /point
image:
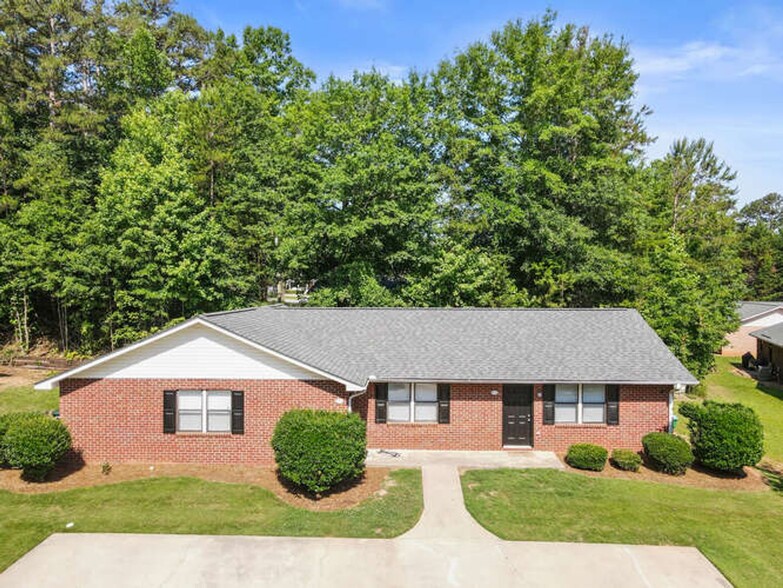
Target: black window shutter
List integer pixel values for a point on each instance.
(237, 412)
(381, 401)
(549, 404)
(444, 402)
(169, 411)
(613, 404)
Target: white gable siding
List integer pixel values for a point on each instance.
(767, 320)
(199, 352)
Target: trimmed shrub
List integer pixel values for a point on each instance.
(8, 419)
(35, 444)
(627, 460)
(318, 449)
(586, 456)
(725, 437)
(668, 453)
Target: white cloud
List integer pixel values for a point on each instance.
(680, 60)
(742, 45)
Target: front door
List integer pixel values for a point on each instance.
(517, 414)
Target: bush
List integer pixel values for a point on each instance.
(668, 453)
(585, 456)
(35, 443)
(627, 460)
(725, 437)
(318, 449)
(8, 419)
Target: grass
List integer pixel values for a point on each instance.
(24, 398)
(189, 505)
(765, 399)
(740, 532)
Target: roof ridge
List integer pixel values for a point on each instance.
(457, 308)
(238, 310)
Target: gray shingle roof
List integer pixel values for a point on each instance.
(773, 334)
(487, 345)
(750, 308)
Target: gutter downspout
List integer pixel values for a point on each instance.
(352, 396)
(676, 388)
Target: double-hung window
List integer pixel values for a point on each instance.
(580, 403)
(593, 403)
(412, 403)
(566, 403)
(204, 411)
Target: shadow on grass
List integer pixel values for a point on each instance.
(297, 490)
(773, 475)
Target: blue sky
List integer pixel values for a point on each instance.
(707, 68)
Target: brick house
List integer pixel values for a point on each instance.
(211, 389)
(753, 315)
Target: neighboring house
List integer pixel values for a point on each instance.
(769, 348)
(211, 390)
(753, 316)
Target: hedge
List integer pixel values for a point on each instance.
(725, 437)
(627, 460)
(586, 456)
(34, 443)
(318, 449)
(668, 453)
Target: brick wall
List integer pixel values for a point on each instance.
(477, 422)
(643, 409)
(122, 420)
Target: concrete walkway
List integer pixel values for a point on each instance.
(409, 458)
(446, 548)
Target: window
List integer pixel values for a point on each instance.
(412, 403)
(580, 403)
(192, 416)
(593, 403)
(566, 403)
(426, 403)
(399, 403)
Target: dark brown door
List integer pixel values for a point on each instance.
(517, 414)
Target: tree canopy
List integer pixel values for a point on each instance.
(151, 169)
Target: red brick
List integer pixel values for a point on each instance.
(121, 420)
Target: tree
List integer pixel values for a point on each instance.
(766, 211)
(162, 255)
(761, 246)
(361, 201)
(537, 134)
(690, 313)
(694, 192)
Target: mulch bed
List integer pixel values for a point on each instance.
(751, 480)
(374, 483)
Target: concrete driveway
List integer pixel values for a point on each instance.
(445, 548)
(117, 561)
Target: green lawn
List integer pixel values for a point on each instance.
(24, 398)
(766, 399)
(740, 532)
(188, 505)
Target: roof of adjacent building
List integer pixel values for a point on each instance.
(487, 345)
(773, 334)
(750, 308)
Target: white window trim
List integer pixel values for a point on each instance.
(412, 405)
(579, 405)
(204, 412)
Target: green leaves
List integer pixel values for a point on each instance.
(150, 170)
